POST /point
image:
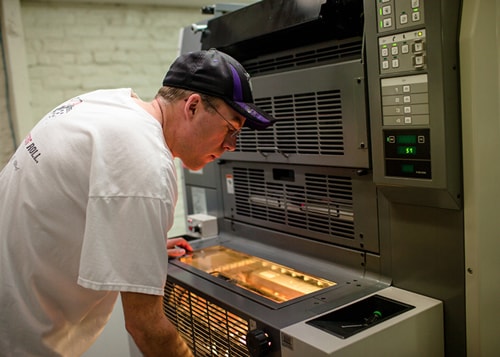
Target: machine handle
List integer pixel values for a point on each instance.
(258, 343)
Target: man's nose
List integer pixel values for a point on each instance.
(230, 143)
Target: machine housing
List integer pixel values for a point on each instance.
(358, 182)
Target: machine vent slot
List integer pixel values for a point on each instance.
(307, 123)
(209, 330)
(331, 52)
(324, 204)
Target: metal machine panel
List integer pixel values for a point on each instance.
(286, 24)
(358, 182)
(272, 283)
(217, 317)
(207, 328)
(415, 332)
(320, 114)
(329, 204)
(201, 190)
(412, 70)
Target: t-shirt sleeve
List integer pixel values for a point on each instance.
(124, 245)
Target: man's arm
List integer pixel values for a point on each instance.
(150, 328)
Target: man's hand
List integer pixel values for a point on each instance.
(177, 247)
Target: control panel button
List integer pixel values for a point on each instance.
(419, 61)
(418, 46)
(402, 14)
(403, 49)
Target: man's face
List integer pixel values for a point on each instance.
(212, 131)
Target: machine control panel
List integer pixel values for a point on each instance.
(407, 153)
(398, 14)
(405, 100)
(413, 84)
(403, 52)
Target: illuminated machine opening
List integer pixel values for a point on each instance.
(273, 281)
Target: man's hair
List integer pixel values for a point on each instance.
(173, 94)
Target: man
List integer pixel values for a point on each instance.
(87, 200)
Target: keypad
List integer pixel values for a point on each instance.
(398, 14)
(405, 100)
(403, 52)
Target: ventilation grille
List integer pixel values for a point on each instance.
(329, 53)
(323, 204)
(307, 123)
(208, 329)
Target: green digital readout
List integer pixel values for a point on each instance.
(406, 139)
(406, 150)
(408, 168)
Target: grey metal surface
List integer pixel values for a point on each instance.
(405, 231)
(334, 205)
(439, 22)
(320, 114)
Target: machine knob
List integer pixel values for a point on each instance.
(258, 343)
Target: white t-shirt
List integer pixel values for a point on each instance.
(85, 206)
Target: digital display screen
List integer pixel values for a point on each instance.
(406, 139)
(408, 168)
(406, 150)
(407, 153)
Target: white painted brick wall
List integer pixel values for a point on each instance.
(75, 48)
(6, 135)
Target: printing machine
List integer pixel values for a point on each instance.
(340, 230)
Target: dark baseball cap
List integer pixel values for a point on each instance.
(217, 74)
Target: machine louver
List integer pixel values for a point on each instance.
(317, 55)
(208, 329)
(308, 123)
(323, 204)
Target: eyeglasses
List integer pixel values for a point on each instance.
(233, 132)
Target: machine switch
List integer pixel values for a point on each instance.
(258, 343)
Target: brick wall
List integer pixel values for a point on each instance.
(7, 141)
(6, 133)
(75, 48)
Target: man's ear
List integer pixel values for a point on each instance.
(192, 108)
(192, 104)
